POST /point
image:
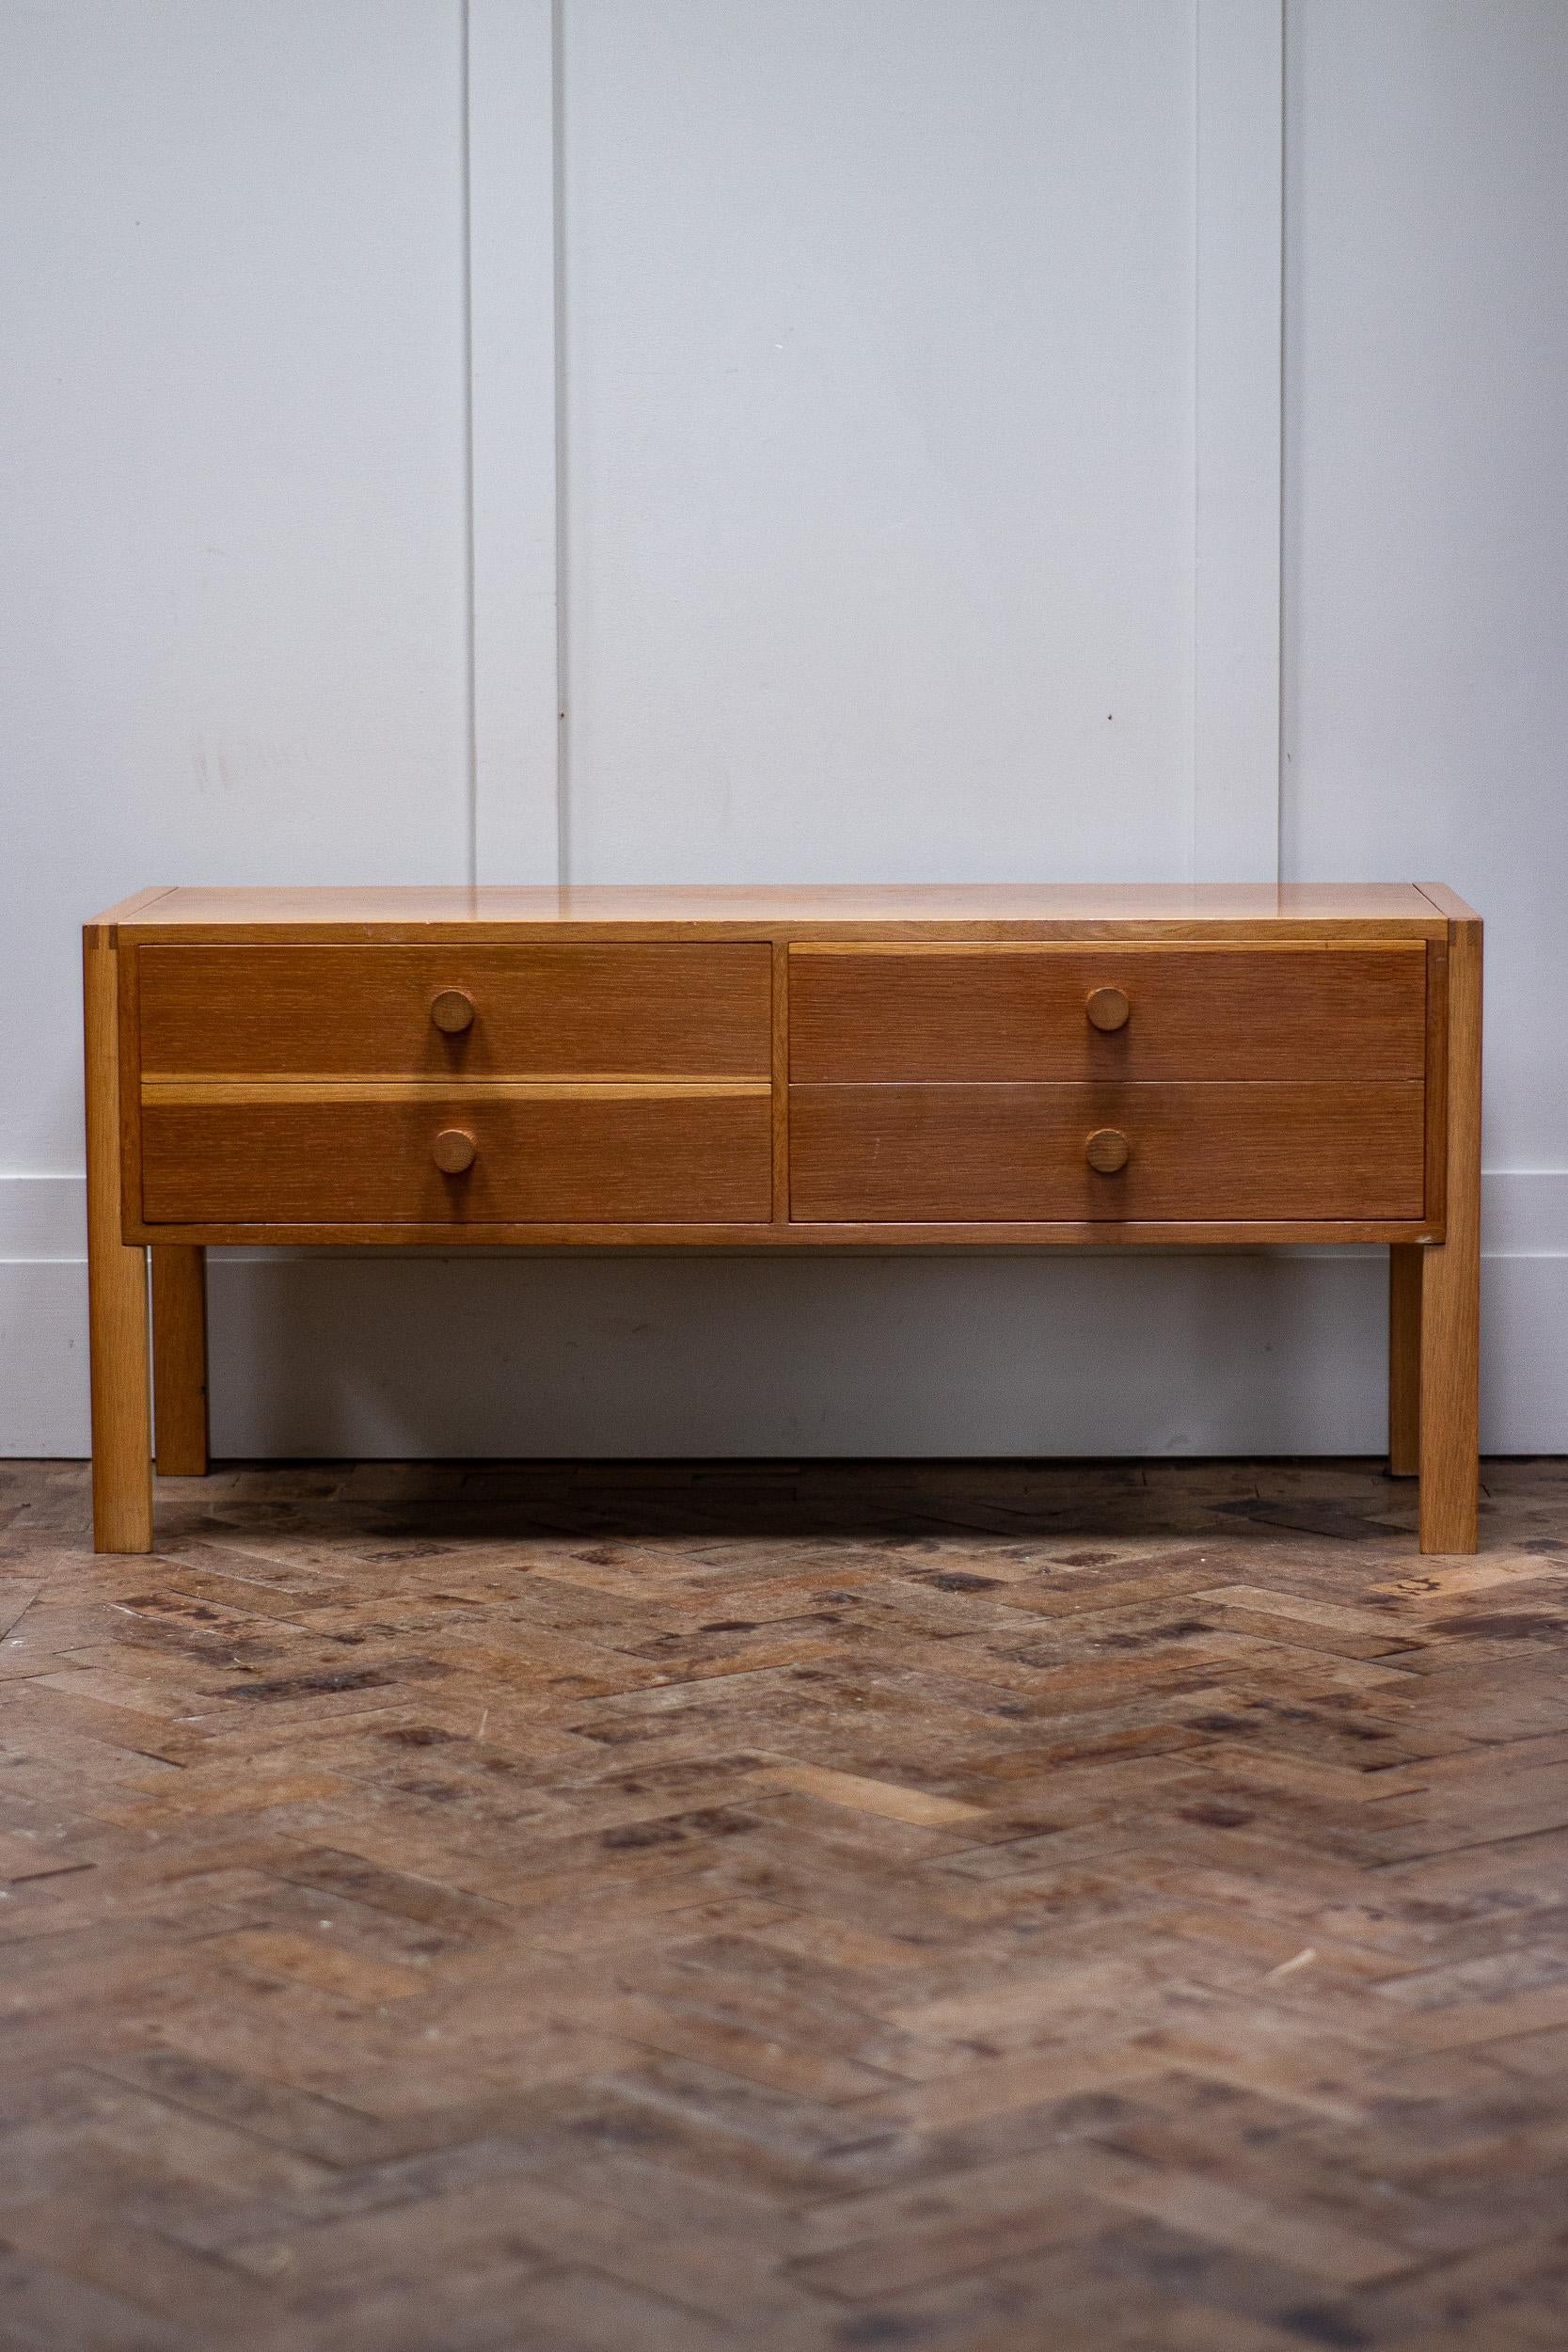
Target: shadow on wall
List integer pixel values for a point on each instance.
(1065, 1356)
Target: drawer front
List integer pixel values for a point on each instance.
(565, 1009)
(1020, 1154)
(551, 1158)
(1029, 1014)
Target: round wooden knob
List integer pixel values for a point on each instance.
(1107, 1151)
(454, 1151)
(1108, 1007)
(452, 1012)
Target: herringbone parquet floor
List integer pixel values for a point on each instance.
(661, 1909)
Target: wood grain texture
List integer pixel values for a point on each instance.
(102, 931)
(1404, 1361)
(802, 1906)
(1450, 1277)
(179, 1361)
(1108, 1007)
(1449, 903)
(423, 913)
(453, 1149)
(779, 1079)
(562, 1158)
(117, 1284)
(556, 1007)
(453, 1010)
(217, 1086)
(1023, 1013)
(968, 1152)
(128, 1083)
(1437, 1081)
(876, 1239)
(1107, 1151)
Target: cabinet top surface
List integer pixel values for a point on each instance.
(981, 910)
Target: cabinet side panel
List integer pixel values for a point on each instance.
(1437, 1085)
(129, 1033)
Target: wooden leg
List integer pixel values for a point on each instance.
(117, 1287)
(1404, 1360)
(1451, 1279)
(179, 1360)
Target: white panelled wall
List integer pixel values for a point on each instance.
(781, 440)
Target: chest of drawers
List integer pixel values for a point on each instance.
(812, 1069)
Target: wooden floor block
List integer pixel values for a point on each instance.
(803, 1906)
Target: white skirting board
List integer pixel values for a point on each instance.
(1070, 1354)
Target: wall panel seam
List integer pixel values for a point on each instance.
(511, 293)
(1238, 435)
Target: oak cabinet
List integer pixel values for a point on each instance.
(781, 1070)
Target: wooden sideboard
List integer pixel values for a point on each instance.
(806, 1069)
